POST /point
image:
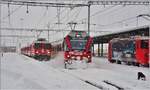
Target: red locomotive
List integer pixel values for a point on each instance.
(133, 50)
(40, 49)
(77, 46)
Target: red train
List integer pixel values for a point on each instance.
(40, 49)
(77, 46)
(134, 50)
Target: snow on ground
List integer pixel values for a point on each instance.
(101, 70)
(21, 72)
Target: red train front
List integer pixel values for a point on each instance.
(77, 46)
(40, 49)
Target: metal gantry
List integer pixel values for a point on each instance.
(89, 4)
(20, 36)
(120, 2)
(40, 30)
(33, 3)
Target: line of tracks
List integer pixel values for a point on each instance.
(102, 85)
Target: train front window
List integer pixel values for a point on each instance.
(144, 44)
(47, 46)
(78, 44)
(37, 45)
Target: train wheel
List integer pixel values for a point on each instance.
(89, 61)
(65, 65)
(112, 61)
(118, 62)
(49, 57)
(35, 57)
(146, 65)
(134, 63)
(137, 64)
(129, 63)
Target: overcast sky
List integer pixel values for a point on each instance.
(104, 18)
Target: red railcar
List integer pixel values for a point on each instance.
(133, 50)
(77, 46)
(40, 49)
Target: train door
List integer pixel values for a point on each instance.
(142, 51)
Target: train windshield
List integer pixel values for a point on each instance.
(42, 45)
(144, 44)
(47, 46)
(37, 46)
(78, 44)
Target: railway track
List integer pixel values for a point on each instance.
(102, 85)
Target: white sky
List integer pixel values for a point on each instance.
(40, 17)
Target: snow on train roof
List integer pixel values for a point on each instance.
(121, 30)
(131, 38)
(132, 29)
(75, 33)
(41, 40)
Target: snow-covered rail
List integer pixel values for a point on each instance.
(100, 85)
(110, 83)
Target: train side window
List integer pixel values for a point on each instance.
(144, 44)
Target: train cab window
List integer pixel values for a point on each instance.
(37, 45)
(47, 46)
(144, 44)
(78, 44)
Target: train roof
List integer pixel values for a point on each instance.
(126, 30)
(142, 31)
(131, 38)
(75, 33)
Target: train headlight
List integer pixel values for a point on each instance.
(84, 53)
(37, 52)
(48, 52)
(88, 56)
(68, 56)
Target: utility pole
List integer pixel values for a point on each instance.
(137, 21)
(9, 15)
(48, 27)
(89, 19)
(0, 34)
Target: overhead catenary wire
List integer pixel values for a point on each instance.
(56, 17)
(101, 12)
(97, 13)
(43, 16)
(61, 13)
(92, 16)
(76, 13)
(130, 18)
(12, 12)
